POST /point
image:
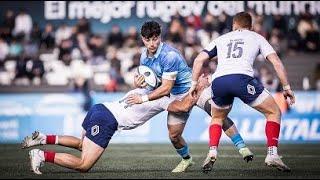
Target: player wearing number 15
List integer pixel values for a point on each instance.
(236, 52)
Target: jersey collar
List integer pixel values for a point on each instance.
(156, 55)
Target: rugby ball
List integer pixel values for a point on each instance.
(150, 77)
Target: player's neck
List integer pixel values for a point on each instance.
(240, 28)
(150, 54)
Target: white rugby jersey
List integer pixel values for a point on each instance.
(130, 117)
(236, 52)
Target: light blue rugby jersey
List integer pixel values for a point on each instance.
(169, 64)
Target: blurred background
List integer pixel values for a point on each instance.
(58, 58)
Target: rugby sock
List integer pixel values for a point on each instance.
(49, 156)
(272, 133)
(238, 141)
(215, 131)
(51, 139)
(184, 152)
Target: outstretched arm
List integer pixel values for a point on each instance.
(189, 101)
(161, 91)
(182, 106)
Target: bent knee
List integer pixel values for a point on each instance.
(174, 136)
(84, 167)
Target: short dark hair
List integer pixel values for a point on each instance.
(243, 19)
(150, 29)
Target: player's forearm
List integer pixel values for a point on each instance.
(197, 65)
(180, 106)
(279, 68)
(282, 74)
(159, 92)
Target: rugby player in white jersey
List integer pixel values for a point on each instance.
(104, 119)
(236, 52)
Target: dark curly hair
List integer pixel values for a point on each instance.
(150, 29)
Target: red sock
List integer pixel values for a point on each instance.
(49, 156)
(215, 131)
(51, 139)
(272, 133)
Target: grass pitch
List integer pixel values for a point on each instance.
(157, 160)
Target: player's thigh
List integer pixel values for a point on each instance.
(91, 152)
(269, 108)
(177, 118)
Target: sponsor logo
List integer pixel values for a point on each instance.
(251, 89)
(95, 130)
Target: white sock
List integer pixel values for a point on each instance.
(41, 154)
(57, 139)
(272, 150)
(213, 151)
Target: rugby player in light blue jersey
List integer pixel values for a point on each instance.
(170, 66)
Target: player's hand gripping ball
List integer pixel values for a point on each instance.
(149, 77)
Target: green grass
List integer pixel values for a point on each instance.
(157, 160)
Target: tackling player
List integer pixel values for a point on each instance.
(236, 52)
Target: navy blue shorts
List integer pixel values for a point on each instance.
(100, 125)
(245, 87)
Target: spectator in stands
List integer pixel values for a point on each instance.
(280, 23)
(4, 50)
(97, 47)
(48, 38)
(115, 63)
(312, 40)
(15, 49)
(35, 35)
(82, 44)
(132, 38)
(65, 50)
(115, 73)
(209, 31)
(30, 49)
(62, 33)
(194, 21)
(35, 70)
(23, 25)
(175, 32)
(21, 73)
(84, 26)
(7, 25)
(115, 38)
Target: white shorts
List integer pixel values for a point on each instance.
(177, 118)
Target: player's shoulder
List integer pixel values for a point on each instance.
(170, 53)
(255, 35)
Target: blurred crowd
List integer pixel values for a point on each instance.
(64, 54)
